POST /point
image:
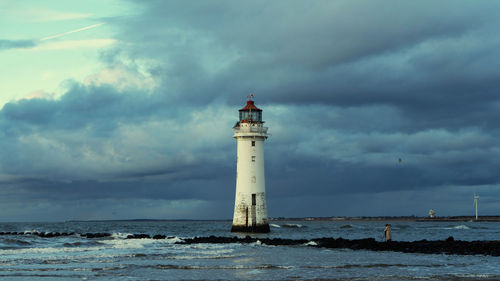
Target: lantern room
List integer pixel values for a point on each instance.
(250, 113)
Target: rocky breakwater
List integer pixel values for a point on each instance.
(82, 235)
(449, 246)
(41, 234)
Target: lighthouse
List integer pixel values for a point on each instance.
(250, 211)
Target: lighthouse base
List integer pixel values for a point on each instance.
(263, 228)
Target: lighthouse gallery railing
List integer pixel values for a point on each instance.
(260, 130)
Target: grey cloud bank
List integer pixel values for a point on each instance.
(13, 44)
(347, 89)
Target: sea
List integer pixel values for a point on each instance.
(29, 257)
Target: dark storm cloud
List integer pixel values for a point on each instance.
(323, 151)
(15, 44)
(95, 142)
(316, 34)
(435, 62)
(348, 89)
(79, 107)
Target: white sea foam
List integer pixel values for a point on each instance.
(215, 252)
(196, 257)
(47, 250)
(187, 252)
(208, 246)
(123, 236)
(120, 235)
(98, 248)
(311, 243)
(293, 225)
(32, 231)
(274, 225)
(458, 227)
(174, 239)
(255, 271)
(131, 243)
(472, 275)
(52, 254)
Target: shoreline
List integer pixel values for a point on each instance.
(333, 218)
(401, 218)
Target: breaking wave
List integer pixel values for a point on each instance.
(293, 225)
(15, 242)
(82, 244)
(458, 227)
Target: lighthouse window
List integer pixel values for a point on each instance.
(254, 199)
(244, 115)
(253, 158)
(253, 143)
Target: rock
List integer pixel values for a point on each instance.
(93, 235)
(495, 253)
(138, 236)
(448, 246)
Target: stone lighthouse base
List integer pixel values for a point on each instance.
(263, 228)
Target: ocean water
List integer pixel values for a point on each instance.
(27, 257)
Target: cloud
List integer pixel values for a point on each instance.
(75, 44)
(99, 142)
(347, 90)
(16, 44)
(123, 78)
(67, 44)
(48, 15)
(412, 56)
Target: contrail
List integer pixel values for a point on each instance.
(72, 31)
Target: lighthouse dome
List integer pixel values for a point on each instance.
(250, 113)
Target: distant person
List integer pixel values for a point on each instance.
(387, 232)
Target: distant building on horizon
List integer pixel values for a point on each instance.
(432, 213)
(250, 210)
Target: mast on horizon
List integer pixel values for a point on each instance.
(476, 199)
(250, 211)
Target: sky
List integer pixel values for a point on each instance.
(123, 109)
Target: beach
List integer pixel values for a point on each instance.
(121, 256)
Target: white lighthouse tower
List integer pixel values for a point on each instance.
(250, 212)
